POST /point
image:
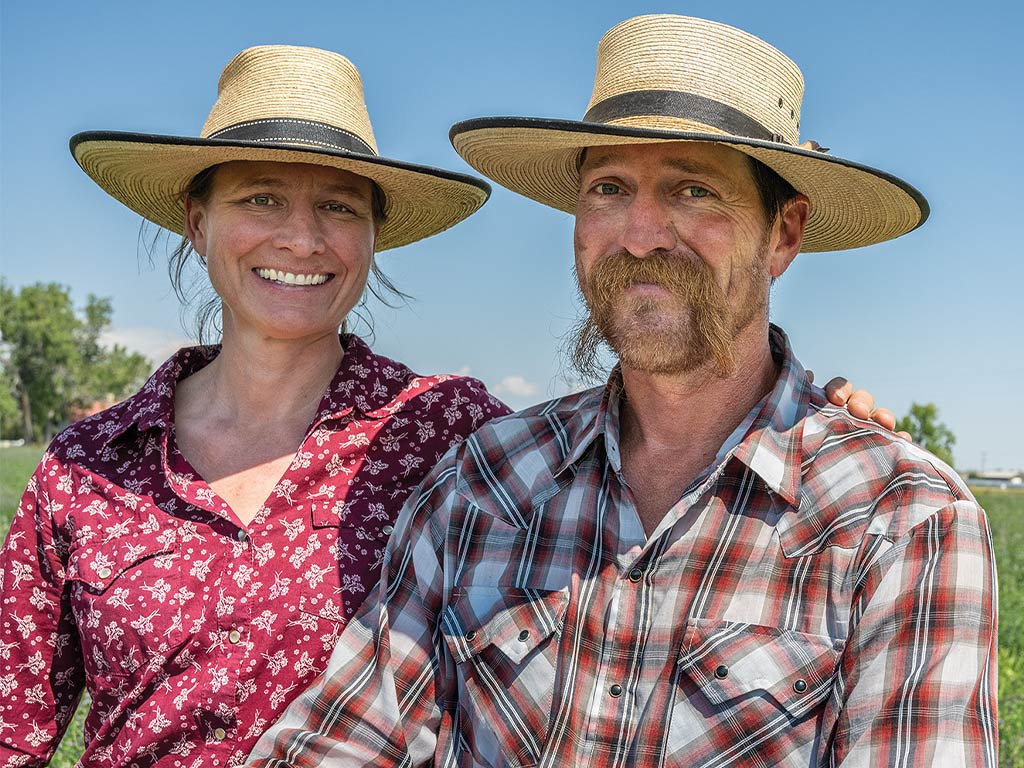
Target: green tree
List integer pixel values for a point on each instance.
(10, 413)
(922, 422)
(53, 361)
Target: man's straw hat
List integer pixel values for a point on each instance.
(674, 78)
(287, 104)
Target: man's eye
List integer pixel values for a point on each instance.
(261, 200)
(607, 188)
(695, 191)
(337, 208)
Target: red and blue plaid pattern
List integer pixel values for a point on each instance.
(823, 596)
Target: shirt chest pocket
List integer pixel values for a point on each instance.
(758, 689)
(505, 645)
(340, 562)
(129, 600)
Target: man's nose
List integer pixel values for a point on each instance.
(648, 226)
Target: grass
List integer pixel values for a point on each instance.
(1005, 513)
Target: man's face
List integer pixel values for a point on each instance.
(673, 253)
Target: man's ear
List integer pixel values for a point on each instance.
(195, 225)
(788, 234)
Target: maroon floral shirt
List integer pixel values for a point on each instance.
(124, 572)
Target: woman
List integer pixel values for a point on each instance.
(189, 556)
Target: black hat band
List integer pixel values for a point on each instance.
(290, 130)
(688, 106)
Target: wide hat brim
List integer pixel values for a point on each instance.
(852, 205)
(148, 173)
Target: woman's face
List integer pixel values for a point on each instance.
(288, 246)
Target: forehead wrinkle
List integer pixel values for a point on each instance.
(274, 182)
(684, 165)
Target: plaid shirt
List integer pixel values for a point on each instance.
(823, 595)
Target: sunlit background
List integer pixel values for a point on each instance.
(928, 91)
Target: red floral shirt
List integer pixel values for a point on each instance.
(124, 572)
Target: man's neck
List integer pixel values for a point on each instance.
(674, 425)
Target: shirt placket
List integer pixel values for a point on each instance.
(629, 663)
(227, 572)
(621, 625)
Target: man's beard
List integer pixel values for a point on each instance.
(642, 331)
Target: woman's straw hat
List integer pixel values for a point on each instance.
(287, 104)
(674, 78)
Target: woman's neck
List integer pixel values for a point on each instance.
(274, 381)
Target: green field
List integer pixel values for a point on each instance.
(1005, 511)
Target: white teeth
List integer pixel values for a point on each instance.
(287, 278)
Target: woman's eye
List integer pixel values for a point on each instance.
(695, 191)
(261, 200)
(607, 188)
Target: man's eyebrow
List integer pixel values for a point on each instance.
(596, 162)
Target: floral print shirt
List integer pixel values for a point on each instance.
(124, 573)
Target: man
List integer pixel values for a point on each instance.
(702, 562)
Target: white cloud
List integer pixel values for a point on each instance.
(516, 386)
(463, 371)
(157, 344)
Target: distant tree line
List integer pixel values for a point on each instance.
(52, 363)
(922, 422)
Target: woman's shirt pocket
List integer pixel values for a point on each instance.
(505, 645)
(129, 599)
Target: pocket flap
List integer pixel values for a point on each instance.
(730, 660)
(515, 621)
(98, 565)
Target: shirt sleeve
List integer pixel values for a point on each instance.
(383, 698)
(41, 669)
(916, 684)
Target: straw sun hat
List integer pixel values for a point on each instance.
(674, 78)
(287, 104)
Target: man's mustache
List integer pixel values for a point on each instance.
(683, 275)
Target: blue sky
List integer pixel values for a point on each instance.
(929, 91)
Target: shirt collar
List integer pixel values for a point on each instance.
(597, 417)
(772, 443)
(365, 382)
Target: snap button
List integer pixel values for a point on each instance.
(241, 535)
(615, 690)
(234, 636)
(635, 575)
(721, 671)
(524, 635)
(104, 573)
(470, 637)
(220, 734)
(388, 530)
(800, 686)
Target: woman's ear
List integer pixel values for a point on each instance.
(195, 225)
